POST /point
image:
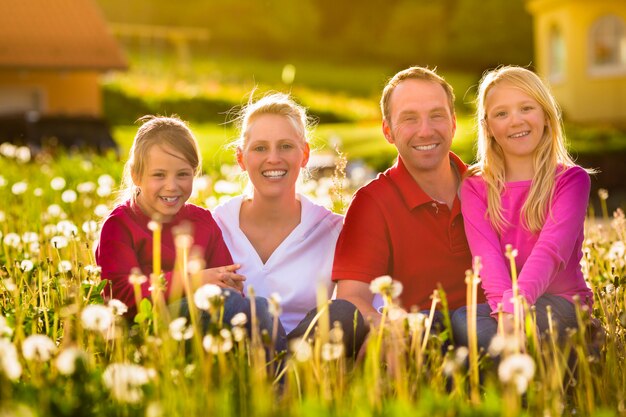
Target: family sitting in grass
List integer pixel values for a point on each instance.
(422, 221)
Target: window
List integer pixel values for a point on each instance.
(608, 46)
(556, 70)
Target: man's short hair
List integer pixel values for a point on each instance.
(413, 73)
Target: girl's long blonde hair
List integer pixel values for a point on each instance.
(550, 152)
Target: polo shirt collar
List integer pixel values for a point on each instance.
(411, 192)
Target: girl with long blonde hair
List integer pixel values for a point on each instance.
(526, 191)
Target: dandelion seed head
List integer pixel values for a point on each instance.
(5, 329)
(206, 296)
(180, 329)
(239, 319)
(332, 351)
(517, 369)
(86, 187)
(26, 265)
(101, 210)
(67, 229)
(69, 196)
(96, 317)
(3, 181)
(66, 360)
(22, 154)
(136, 277)
(416, 321)
(301, 349)
(603, 193)
(9, 284)
(90, 227)
(65, 266)
(57, 183)
(106, 180)
(125, 381)
(118, 308)
(9, 362)
(12, 239)
(38, 347)
(38, 192)
(239, 333)
(19, 188)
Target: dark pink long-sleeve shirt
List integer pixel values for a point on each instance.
(548, 262)
(126, 243)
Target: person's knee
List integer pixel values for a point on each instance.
(459, 325)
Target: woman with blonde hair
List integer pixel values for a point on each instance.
(284, 242)
(524, 191)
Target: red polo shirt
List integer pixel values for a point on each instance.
(394, 228)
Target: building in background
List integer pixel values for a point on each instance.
(52, 53)
(580, 48)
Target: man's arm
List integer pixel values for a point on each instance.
(359, 294)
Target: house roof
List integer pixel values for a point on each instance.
(56, 34)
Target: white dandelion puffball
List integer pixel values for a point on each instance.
(9, 362)
(180, 330)
(19, 188)
(205, 295)
(57, 183)
(69, 196)
(517, 369)
(38, 347)
(118, 308)
(66, 361)
(96, 317)
(124, 381)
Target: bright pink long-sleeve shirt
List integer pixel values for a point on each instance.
(548, 262)
(126, 243)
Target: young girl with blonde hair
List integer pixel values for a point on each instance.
(525, 190)
(158, 181)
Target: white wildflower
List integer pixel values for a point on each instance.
(69, 196)
(38, 347)
(67, 228)
(332, 351)
(59, 242)
(86, 187)
(12, 239)
(5, 330)
(274, 304)
(26, 265)
(206, 296)
(90, 227)
(118, 308)
(180, 330)
(65, 266)
(54, 210)
(29, 237)
(19, 188)
(22, 154)
(66, 360)
(517, 369)
(101, 210)
(9, 362)
(125, 381)
(301, 349)
(57, 183)
(96, 317)
(239, 320)
(386, 286)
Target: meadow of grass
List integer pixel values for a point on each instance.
(65, 351)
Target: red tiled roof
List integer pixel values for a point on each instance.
(60, 34)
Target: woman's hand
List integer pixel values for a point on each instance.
(224, 277)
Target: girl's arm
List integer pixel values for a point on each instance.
(484, 242)
(557, 239)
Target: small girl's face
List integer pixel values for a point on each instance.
(515, 119)
(272, 154)
(165, 184)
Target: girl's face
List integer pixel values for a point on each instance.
(515, 120)
(166, 183)
(273, 154)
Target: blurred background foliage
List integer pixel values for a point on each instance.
(453, 34)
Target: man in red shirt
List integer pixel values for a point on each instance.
(407, 222)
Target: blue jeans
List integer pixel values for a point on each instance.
(563, 315)
(236, 303)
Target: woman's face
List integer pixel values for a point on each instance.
(272, 155)
(515, 120)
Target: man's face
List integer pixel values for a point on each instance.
(421, 125)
